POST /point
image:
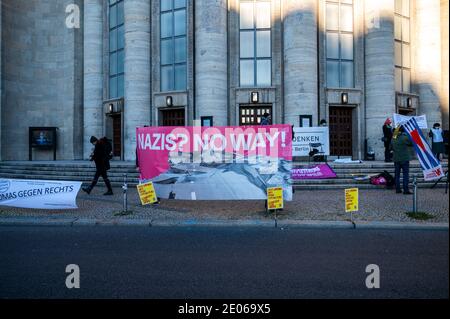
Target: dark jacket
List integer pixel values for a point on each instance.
(387, 134)
(403, 148)
(100, 157)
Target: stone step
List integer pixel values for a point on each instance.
(134, 170)
(89, 165)
(113, 174)
(62, 168)
(341, 181)
(80, 164)
(135, 179)
(83, 171)
(348, 173)
(60, 177)
(65, 173)
(360, 186)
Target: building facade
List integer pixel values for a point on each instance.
(130, 63)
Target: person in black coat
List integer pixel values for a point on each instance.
(387, 139)
(101, 160)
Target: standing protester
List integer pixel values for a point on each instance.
(387, 139)
(437, 138)
(101, 157)
(403, 149)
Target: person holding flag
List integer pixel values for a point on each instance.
(431, 166)
(402, 147)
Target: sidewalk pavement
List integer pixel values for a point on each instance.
(309, 208)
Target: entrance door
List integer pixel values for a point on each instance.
(251, 115)
(117, 135)
(341, 131)
(173, 117)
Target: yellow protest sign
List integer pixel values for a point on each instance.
(275, 198)
(351, 200)
(147, 193)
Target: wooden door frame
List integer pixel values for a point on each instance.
(109, 132)
(163, 109)
(268, 106)
(113, 116)
(354, 119)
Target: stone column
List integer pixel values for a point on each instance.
(93, 75)
(137, 72)
(1, 81)
(445, 66)
(380, 81)
(211, 76)
(300, 60)
(428, 58)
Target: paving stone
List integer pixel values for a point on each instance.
(324, 205)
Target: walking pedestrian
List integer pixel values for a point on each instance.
(437, 140)
(387, 139)
(101, 158)
(403, 149)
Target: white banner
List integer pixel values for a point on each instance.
(39, 194)
(402, 119)
(304, 136)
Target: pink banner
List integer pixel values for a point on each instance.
(320, 171)
(183, 155)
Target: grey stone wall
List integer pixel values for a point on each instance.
(271, 95)
(1, 78)
(181, 99)
(428, 58)
(300, 60)
(93, 75)
(444, 64)
(330, 97)
(137, 71)
(42, 79)
(211, 63)
(379, 84)
(56, 76)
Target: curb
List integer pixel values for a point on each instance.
(305, 224)
(35, 221)
(402, 225)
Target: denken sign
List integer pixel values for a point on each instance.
(304, 136)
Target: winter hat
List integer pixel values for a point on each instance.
(93, 139)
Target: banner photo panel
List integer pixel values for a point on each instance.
(39, 194)
(432, 168)
(216, 163)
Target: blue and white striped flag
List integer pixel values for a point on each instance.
(431, 166)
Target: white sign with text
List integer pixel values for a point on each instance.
(39, 194)
(304, 136)
(402, 119)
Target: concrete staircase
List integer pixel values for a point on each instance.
(84, 171)
(346, 173)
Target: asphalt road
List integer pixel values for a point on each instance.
(215, 262)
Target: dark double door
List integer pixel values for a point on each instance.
(341, 134)
(252, 114)
(117, 135)
(175, 117)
